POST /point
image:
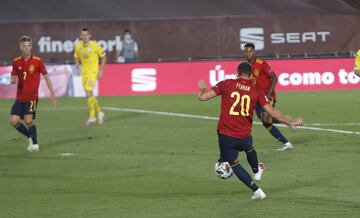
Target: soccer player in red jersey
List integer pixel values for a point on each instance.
(265, 79)
(239, 98)
(26, 71)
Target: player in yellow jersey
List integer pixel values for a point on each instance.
(87, 53)
(357, 63)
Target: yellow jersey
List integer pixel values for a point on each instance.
(89, 56)
(357, 61)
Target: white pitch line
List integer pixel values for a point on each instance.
(307, 126)
(215, 118)
(67, 154)
(333, 124)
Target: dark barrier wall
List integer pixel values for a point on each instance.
(195, 38)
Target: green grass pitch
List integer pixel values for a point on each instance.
(145, 165)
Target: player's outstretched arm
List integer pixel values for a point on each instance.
(51, 89)
(282, 118)
(205, 93)
(77, 62)
(102, 66)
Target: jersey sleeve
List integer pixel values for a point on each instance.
(100, 51)
(262, 99)
(357, 61)
(218, 89)
(13, 71)
(42, 68)
(267, 69)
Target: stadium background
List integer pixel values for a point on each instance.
(182, 32)
(145, 162)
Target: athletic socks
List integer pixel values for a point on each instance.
(33, 134)
(22, 129)
(275, 132)
(252, 160)
(97, 106)
(244, 176)
(91, 105)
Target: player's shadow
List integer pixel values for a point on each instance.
(302, 140)
(298, 185)
(65, 141)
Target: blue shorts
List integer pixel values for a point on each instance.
(230, 147)
(24, 108)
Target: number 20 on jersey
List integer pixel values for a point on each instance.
(244, 105)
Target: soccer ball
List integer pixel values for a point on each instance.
(223, 170)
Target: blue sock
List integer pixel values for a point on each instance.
(244, 176)
(22, 129)
(275, 132)
(33, 134)
(252, 160)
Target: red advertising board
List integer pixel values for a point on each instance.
(181, 78)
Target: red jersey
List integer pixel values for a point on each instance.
(28, 73)
(238, 101)
(262, 72)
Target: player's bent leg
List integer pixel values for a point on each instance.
(275, 132)
(20, 127)
(251, 156)
(14, 120)
(91, 105)
(100, 114)
(229, 152)
(97, 106)
(257, 168)
(266, 118)
(243, 175)
(33, 143)
(258, 111)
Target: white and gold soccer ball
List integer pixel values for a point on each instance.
(223, 170)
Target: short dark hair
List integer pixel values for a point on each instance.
(249, 45)
(25, 39)
(127, 31)
(244, 68)
(85, 29)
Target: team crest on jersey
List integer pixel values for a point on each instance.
(89, 49)
(31, 68)
(256, 72)
(20, 68)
